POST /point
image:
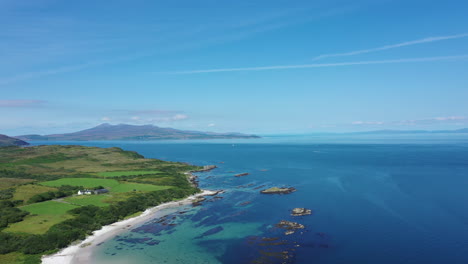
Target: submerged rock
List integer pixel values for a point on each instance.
(301, 212)
(241, 174)
(198, 201)
(277, 190)
(290, 227)
(212, 231)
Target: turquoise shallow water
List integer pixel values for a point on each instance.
(374, 200)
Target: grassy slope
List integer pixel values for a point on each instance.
(6, 183)
(112, 185)
(98, 200)
(125, 173)
(85, 182)
(43, 216)
(65, 163)
(25, 192)
(76, 160)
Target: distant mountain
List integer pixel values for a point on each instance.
(9, 141)
(131, 132)
(463, 130)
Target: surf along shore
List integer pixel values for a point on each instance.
(81, 252)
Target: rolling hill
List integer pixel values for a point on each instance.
(133, 132)
(9, 141)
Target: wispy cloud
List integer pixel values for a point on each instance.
(367, 123)
(321, 65)
(21, 103)
(146, 116)
(392, 46)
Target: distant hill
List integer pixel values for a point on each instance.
(132, 132)
(463, 130)
(9, 141)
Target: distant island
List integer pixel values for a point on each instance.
(133, 132)
(6, 141)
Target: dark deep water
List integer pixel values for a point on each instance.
(396, 202)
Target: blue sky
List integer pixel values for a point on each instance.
(247, 66)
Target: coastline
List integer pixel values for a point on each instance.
(80, 252)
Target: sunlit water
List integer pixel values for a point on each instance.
(374, 200)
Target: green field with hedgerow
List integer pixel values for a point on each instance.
(41, 211)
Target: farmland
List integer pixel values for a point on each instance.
(126, 173)
(39, 207)
(25, 192)
(98, 200)
(43, 216)
(85, 182)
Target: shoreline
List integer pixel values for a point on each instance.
(80, 252)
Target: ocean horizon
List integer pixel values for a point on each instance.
(374, 199)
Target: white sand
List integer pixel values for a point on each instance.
(80, 253)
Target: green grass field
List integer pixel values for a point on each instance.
(113, 185)
(85, 182)
(97, 200)
(12, 258)
(126, 173)
(25, 192)
(129, 187)
(43, 216)
(48, 208)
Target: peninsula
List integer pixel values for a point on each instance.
(42, 211)
(132, 132)
(9, 141)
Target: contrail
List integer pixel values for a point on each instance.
(393, 46)
(320, 65)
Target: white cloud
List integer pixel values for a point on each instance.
(179, 117)
(367, 123)
(450, 118)
(211, 125)
(106, 118)
(393, 46)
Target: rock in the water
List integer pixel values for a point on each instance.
(276, 190)
(301, 212)
(290, 227)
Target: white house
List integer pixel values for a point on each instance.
(81, 192)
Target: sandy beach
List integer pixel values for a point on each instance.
(80, 252)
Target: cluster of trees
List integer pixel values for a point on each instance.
(87, 219)
(6, 194)
(10, 214)
(63, 191)
(19, 174)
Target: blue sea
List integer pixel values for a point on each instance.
(374, 199)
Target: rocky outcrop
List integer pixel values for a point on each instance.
(241, 174)
(301, 212)
(290, 227)
(277, 190)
